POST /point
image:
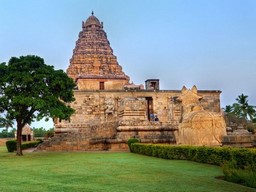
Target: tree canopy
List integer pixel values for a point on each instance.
(7, 123)
(30, 89)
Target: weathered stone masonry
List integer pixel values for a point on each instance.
(95, 127)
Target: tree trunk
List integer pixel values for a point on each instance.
(19, 137)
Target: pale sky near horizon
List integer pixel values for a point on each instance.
(210, 44)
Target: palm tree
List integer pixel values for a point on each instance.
(242, 109)
(228, 109)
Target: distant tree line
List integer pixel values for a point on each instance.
(38, 132)
(42, 132)
(5, 124)
(7, 134)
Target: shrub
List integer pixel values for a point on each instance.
(11, 145)
(40, 140)
(30, 144)
(233, 173)
(201, 154)
(131, 141)
(238, 164)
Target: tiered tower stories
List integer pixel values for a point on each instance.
(93, 65)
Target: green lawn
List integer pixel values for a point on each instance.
(106, 171)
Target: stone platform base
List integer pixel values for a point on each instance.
(239, 140)
(106, 137)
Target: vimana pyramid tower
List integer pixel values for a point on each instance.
(93, 65)
(109, 110)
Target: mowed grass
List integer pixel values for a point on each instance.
(107, 171)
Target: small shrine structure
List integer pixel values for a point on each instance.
(27, 134)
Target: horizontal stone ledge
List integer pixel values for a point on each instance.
(66, 130)
(145, 128)
(118, 141)
(239, 138)
(238, 141)
(106, 141)
(247, 145)
(171, 140)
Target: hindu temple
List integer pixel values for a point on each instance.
(109, 109)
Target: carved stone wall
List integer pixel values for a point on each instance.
(91, 106)
(105, 120)
(133, 109)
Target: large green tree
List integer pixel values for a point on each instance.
(30, 89)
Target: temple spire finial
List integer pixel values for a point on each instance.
(92, 12)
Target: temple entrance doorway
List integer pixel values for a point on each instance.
(150, 111)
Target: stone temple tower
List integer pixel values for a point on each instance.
(109, 110)
(93, 65)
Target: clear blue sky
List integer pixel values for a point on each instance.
(210, 44)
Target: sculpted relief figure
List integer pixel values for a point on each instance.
(109, 107)
(199, 127)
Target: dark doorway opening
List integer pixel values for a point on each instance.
(150, 111)
(26, 137)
